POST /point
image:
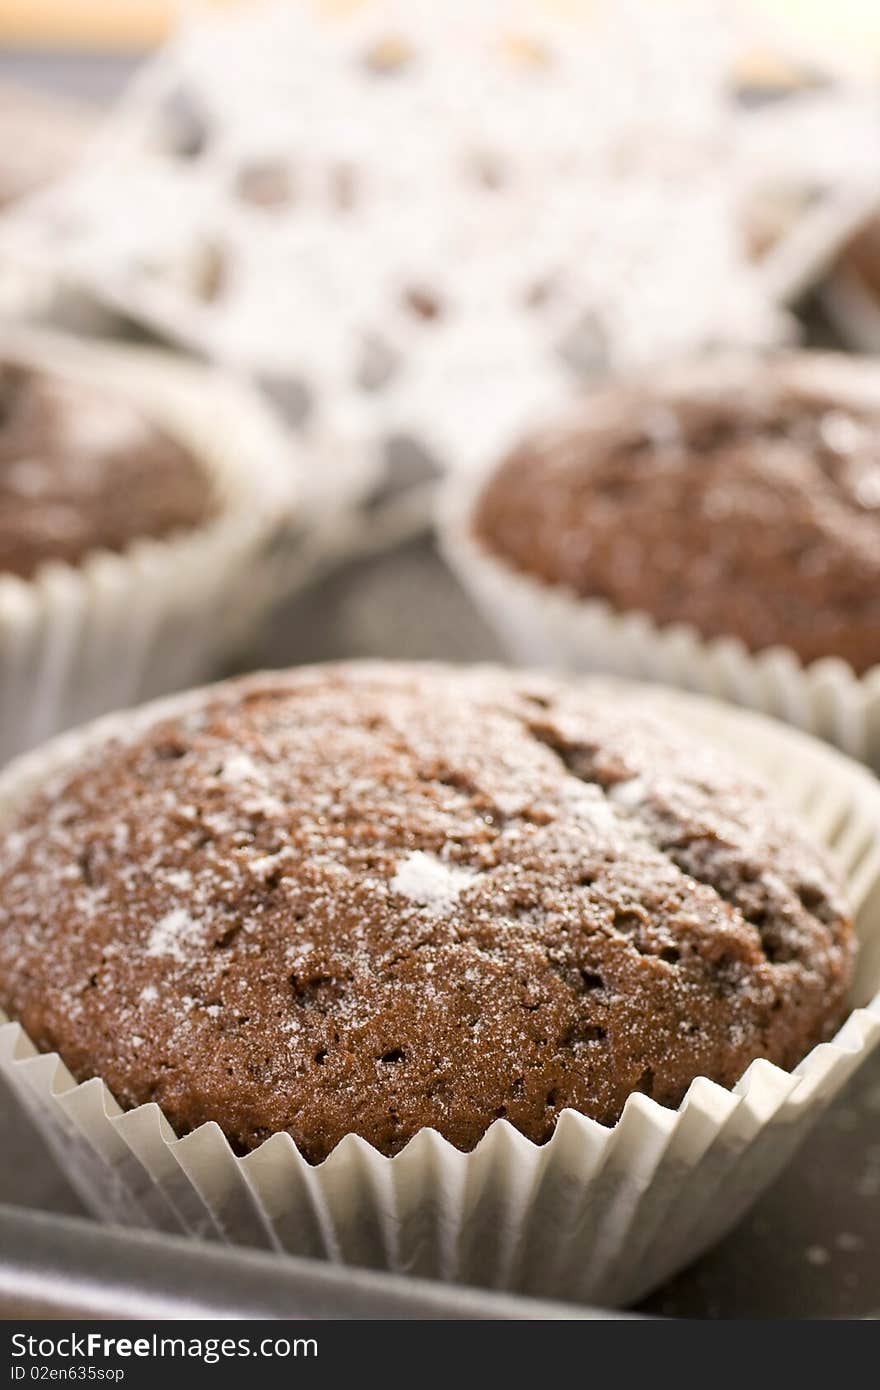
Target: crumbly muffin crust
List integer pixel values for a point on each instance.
(749, 507)
(83, 470)
(371, 898)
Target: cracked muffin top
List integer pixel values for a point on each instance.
(369, 898)
(82, 469)
(742, 498)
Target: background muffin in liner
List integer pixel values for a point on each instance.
(548, 624)
(596, 1213)
(79, 640)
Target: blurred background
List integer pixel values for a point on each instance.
(137, 24)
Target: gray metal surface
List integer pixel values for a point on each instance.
(93, 77)
(62, 1267)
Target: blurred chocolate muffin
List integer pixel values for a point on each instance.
(83, 470)
(373, 898)
(744, 501)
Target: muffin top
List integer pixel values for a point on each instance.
(82, 470)
(372, 898)
(743, 501)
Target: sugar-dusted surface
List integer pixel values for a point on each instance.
(736, 501)
(374, 898)
(82, 470)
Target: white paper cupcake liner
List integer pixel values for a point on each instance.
(598, 1214)
(806, 253)
(815, 257)
(544, 624)
(78, 640)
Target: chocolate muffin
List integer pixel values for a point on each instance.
(372, 898)
(742, 498)
(83, 470)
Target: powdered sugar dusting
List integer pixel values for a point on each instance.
(426, 880)
(238, 767)
(589, 802)
(628, 793)
(173, 935)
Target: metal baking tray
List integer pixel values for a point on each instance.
(66, 1267)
